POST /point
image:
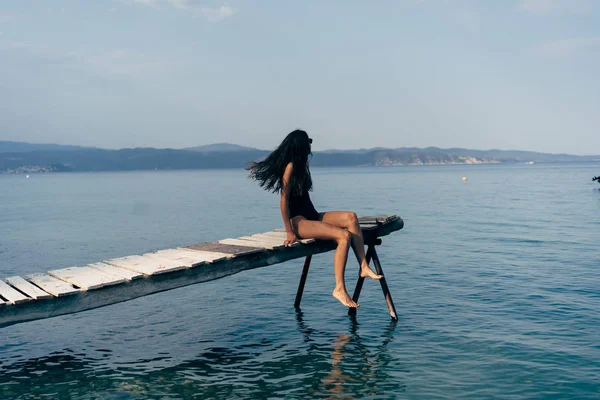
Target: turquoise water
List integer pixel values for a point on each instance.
(496, 281)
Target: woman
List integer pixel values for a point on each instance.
(285, 171)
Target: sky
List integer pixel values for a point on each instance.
(479, 74)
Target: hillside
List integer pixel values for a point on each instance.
(72, 158)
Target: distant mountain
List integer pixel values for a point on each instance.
(219, 147)
(225, 155)
(20, 147)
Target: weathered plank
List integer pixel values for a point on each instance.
(240, 242)
(209, 255)
(266, 243)
(122, 272)
(30, 290)
(12, 296)
(147, 265)
(277, 235)
(174, 259)
(381, 219)
(86, 278)
(195, 257)
(368, 227)
(217, 247)
(52, 285)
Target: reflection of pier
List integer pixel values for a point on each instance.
(270, 365)
(357, 368)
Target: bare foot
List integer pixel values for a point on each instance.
(344, 298)
(367, 272)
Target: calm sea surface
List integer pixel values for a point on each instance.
(496, 281)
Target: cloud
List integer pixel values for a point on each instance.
(213, 14)
(196, 7)
(555, 6)
(569, 47)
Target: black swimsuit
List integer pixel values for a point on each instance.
(301, 205)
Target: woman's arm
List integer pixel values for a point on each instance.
(284, 205)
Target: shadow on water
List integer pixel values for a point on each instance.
(318, 364)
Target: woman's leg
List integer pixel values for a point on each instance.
(349, 220)
(320, 230)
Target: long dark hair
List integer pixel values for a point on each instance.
(295, 148)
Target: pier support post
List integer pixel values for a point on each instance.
(302, 281)
(372, 253)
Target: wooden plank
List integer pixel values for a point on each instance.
(12, 296)
(268, 235)
(183, 261)
(215, 256)
(239, 242)
(382, 219)
(111, 269)
(52, 285)
(259, 238)
(147, 265)
(269, 245)
(86, 278)
(30, 290)
(196, 257)
(368, 227)
(224, 248)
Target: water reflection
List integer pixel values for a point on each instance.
(353, 364)
(358, 368)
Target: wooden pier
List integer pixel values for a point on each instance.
(75, 289)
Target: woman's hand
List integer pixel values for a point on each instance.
(291, 239)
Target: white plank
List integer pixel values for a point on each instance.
(238, 242)
(260, 236)
(52, 285)
(86, 278)
(180, 256)
(275, 243)
(13, 296)
(282, 238)
(30, 290)
(147, 265)
(122, 272)
(213, 255)
(185, 262)
(196, 256)
(264, 244)
(280, 231)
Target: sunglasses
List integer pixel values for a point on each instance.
(309, 140)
